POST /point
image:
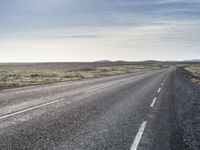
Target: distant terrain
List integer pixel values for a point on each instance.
(193, 60)
(25, 74)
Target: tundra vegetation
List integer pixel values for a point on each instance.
(19, 75)
(194, 69)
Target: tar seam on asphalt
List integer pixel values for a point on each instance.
(29, 109)
(100, 88)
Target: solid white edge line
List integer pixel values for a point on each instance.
(29, 109)
(159, 90)
(138, 136)
(153, 102)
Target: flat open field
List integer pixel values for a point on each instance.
(25, 74)
(195, 71)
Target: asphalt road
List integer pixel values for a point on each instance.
(122, 112)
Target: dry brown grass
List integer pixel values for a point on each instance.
(195, 71)
(25, 75)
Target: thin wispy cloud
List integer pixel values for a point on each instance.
(106, 29)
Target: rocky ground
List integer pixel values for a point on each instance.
(187, 101)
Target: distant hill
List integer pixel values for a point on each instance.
(192, 60)
(102, 61)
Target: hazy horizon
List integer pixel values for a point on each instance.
(77, 31)
(103, 60)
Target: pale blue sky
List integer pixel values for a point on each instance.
(89, 30)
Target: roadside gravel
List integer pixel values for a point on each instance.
(187, 101)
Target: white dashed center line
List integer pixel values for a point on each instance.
(138, 136)
(143, 125)
(29, 109)
(153, 102)
(159, 90)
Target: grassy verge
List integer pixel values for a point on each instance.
(19, 76)
(195, 71)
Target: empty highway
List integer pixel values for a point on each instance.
(121, 112)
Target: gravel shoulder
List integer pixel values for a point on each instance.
(187, 101)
